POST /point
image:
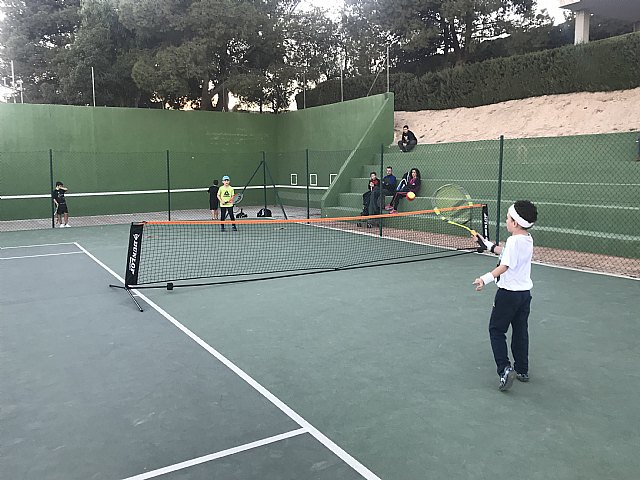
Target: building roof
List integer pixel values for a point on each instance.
(627, 10)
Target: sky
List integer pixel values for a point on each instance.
(555, 11)
(550, 5)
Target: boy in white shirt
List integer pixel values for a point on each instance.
(513, 298)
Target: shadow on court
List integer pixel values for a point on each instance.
(393, 364)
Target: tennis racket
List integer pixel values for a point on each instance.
(236, 199)
(451, 196)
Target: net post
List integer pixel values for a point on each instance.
(134, 252)
(485, 221)
(500, 163)
(264, 177)
(53, 212)
(168, 188)
(306, 151)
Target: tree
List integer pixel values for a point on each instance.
(364, 40)
(313, 49)
(33, 34)
(190, 45)
(101, 42)
(419, 29)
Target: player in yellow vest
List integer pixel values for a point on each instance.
(226, 195)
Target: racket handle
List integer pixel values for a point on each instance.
(483, 246)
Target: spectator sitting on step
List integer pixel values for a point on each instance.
(374, 188)
(410, 183)
(389, 183)
(408, 140)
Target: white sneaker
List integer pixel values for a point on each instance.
(506, 379)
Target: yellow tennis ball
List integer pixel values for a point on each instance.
(411, 196)
(437, 210)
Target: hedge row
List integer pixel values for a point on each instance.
(605, 65)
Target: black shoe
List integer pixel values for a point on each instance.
(523, 377)
(506, 379)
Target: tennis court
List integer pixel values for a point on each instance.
(381, 372)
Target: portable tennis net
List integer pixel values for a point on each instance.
(162, 253)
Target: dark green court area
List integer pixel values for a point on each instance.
(391, 364)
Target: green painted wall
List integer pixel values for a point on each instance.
(586, 187)
(28, 128)
(104, 129)
(367, 151)
(330, 133)
(339, 126)
(117, 149)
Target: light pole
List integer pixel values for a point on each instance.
(387, 68)
(13, 82)
(93, 86)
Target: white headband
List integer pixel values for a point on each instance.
(519, 220)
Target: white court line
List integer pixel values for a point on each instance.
(42, 255)
(574, 269)
(214, 456)
(319, 436)
(41, 245)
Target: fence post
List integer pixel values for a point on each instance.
(500, 162)
(307, 182)
(168, 188)
(380, 194)
(53, 211)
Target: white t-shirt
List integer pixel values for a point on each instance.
(516, 254)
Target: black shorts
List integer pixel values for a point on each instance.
(62, 209)
(214, 204)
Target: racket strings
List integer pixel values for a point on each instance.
(453, 196)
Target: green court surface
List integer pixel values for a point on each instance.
(381, 372)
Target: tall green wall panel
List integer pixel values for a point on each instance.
(120, 149)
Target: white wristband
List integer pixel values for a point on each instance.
(487, 278)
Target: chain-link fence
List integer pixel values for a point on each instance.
(586, 188)
(117, 187)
